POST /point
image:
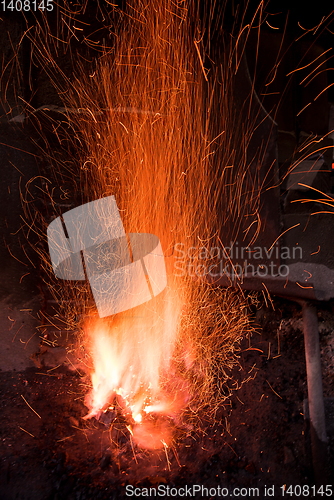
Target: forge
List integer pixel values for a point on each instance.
(167, 205)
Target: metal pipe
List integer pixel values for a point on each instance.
(319, 441)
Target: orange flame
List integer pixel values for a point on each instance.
(132, 356)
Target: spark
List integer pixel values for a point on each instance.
(132, 447)
(54, 368)
(18, 149)
(231, 449)
(26, 432)
(274, 390)
(253, 349)
(65, 438)
(314, 253)
(278, 341)
(310, 275)
(272, 27)
(324, 90)
(280, 236)
(23, 276)
(299, 112)
(30, 406)
(309, 64)
(17, 332)
(269, 297)
(201, 60)
(304, 287)
(166, 453)
(176, 456)
(27, 342)
(12, 255)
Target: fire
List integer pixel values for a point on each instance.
(143, 128)
(132, 357)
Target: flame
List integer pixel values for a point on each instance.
(153, 127)
(132, 357)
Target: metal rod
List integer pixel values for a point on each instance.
(319, 441)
